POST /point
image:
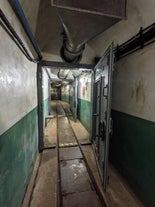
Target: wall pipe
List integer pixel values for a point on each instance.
(19, 11)
(48, 74)
(14, 36)
(139, 41)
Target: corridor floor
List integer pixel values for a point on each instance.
(66, 173)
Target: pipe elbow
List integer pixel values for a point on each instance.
(70, 53)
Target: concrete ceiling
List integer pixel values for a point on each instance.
(82, 26)
(49, 29)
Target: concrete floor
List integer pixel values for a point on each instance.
(55, 181)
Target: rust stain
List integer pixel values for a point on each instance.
(140, 95)
(76, 126)
(53, 132)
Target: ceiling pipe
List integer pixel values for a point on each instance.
(70, 52)
(15, 37)
(139, 41)
(62, 74)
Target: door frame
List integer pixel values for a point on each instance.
(40, 66)
(108, 52)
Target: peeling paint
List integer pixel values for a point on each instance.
(18, 115)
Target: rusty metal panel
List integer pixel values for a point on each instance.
(69, 153)
(74, 177)
(81, 199)
(115, 8)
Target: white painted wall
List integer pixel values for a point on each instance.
(84, 87)
(88, 55)
(17, 76)
(133, 84)
(133, 78)
(65, 90)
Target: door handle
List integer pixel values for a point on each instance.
(95, 114)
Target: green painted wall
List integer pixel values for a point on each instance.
(65, 98)
(18, 147)
(84, 108)
(54, 96)
(133, 152)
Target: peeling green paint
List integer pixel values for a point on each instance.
(18, 147)
(84, 114)
(133, 152)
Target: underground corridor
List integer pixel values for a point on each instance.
(77, 124)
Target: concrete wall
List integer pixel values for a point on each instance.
(65, 93)
(133, 103)
(139, 14)
(18, 116)
(84, 100)
(31, 9)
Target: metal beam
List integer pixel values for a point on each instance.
(63, 65)
(116, 9)
(40, 109)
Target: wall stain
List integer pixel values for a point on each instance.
(138, 95)
(138, 92)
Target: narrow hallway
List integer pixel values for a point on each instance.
(77, 116)
(67, 174)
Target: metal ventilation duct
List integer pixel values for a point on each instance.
(84, 20)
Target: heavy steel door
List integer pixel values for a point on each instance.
(101, 124)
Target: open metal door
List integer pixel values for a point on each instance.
(74, 99)
(101, 120)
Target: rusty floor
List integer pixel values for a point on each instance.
(67, 176)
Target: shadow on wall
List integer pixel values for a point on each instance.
(132, 152)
